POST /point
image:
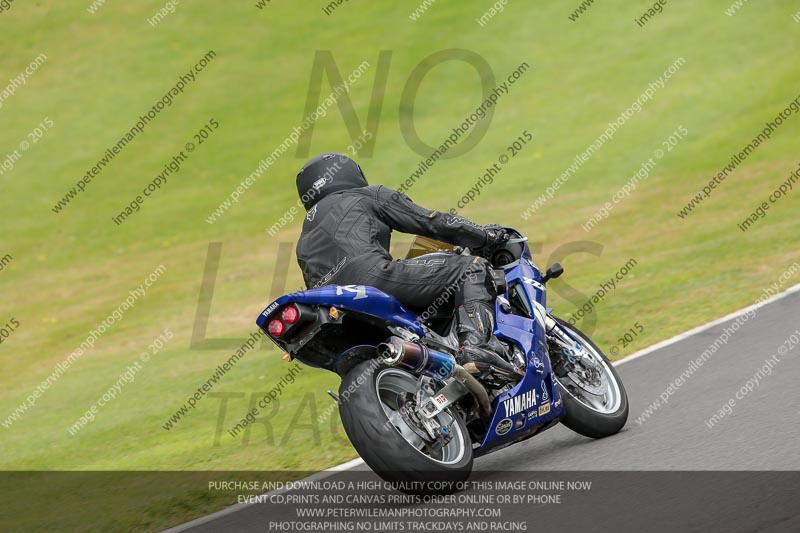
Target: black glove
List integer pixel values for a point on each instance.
(496, 237)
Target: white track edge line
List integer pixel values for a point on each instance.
(694, 331)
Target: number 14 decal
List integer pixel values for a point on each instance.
(359, 290)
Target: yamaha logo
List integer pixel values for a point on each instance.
(520, 403)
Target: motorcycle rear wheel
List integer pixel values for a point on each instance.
(370, 397)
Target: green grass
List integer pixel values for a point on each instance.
(72, 269)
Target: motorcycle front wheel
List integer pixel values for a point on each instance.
(377, 407)
(593, 411)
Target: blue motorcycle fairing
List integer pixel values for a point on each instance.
(535, 401)
(359, 298)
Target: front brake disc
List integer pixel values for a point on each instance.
(596, 387)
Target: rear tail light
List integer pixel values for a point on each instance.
(276, 327)
(288, 318)
(290, 314)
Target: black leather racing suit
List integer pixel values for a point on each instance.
(345, 240)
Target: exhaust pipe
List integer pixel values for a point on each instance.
(420, 359)
(417, 358)
(478, 391)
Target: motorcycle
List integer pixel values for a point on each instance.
(409, 409)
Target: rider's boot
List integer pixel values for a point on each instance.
(481, 353)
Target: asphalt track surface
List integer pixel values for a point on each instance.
(674, 444)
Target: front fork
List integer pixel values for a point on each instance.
(573, 360)
(572, 349)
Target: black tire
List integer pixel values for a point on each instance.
(381, 444)
(580, 418)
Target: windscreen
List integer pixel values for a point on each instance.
(425, 245)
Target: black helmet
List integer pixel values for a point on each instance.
(326, 174)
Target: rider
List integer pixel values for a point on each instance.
(345, 240)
